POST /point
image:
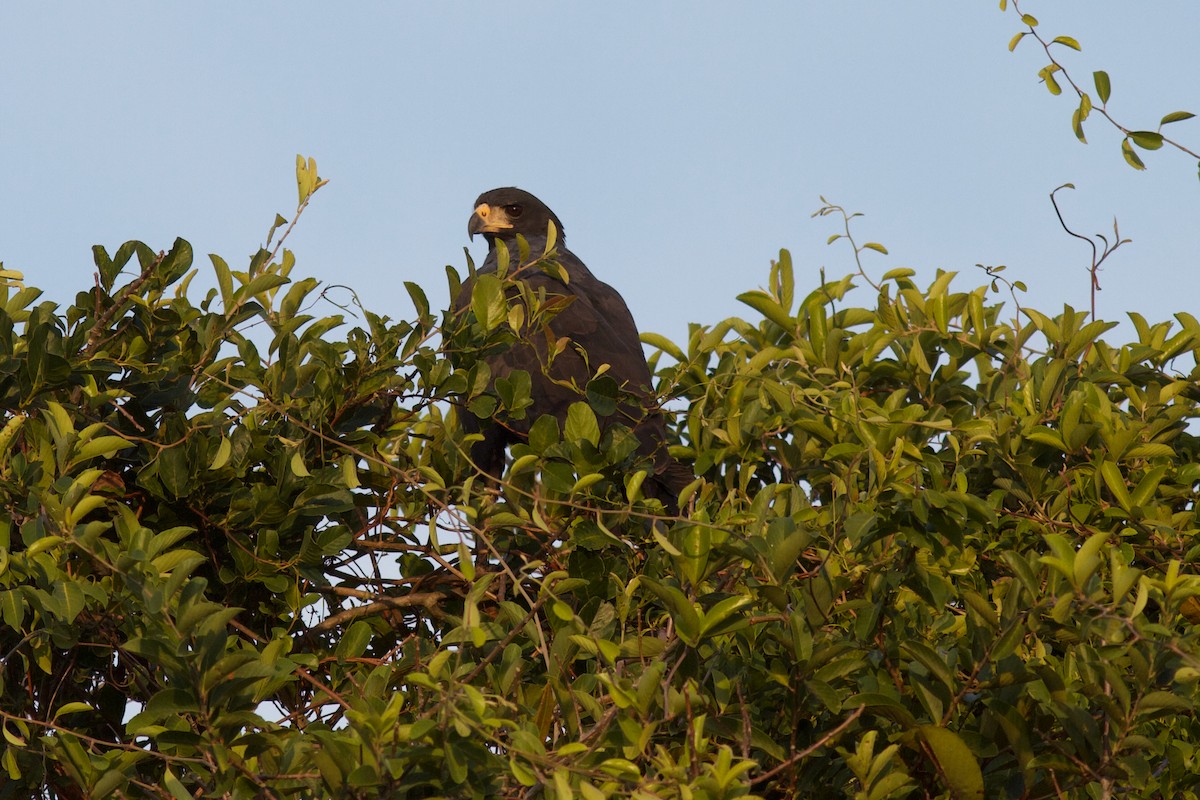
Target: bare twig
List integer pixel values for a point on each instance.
(1098, 256)
(427, 600)
(830, 208)
(118, 302)
(812, 748)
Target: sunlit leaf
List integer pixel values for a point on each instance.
(1103, 86)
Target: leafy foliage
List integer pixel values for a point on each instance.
(930, 552)
(1143, 139)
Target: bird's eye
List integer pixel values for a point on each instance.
(513, 212)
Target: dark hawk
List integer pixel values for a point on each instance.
(595, 320)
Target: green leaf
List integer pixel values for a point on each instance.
(297, 464)
(581, 424)
(543, 433)
(10, 737)
(349, 470)
(681, 610)
(1089, 558)
(262, 283)
(176, 262)
(1148, 485)
(43, 544)
(1103, 87)
(107, 269)
(502, 258)
(712, 619)
(71, 708)
(224, 279)
(1077, 125)
(12, 608)
(591, 479)
(1014, 41)
(1067, 41)
(766, 305)
(955, 762)
(602, 395)
(1176, 116)
(786, 279)
(108, 783)
(884, 705)
(174, 785)
(667, 546)
(1131, 157)
(102, 447)
(276, 225)
(420, 301)
(1115, 480)
(1154, 703)
(1147, 140)
(307, 180)
(982, 607)
(932, 661)
(221, 457)
(558, 476)
(354, 641)
(71, 600)
(664, 344)
(488, 301)
(642, 647)
(1047, 76)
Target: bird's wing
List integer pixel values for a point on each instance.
(598, 321)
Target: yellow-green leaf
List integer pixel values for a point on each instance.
(955, 762)
(221, 458)
(1147, 140)
(1087, 560)
(1103, 86)
(1130, 156)
(764, 304)
(664, 344)
(298, 468)
(71, 708)
(1116, 484)
(1176, 116)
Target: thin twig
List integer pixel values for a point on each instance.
(136, 284)
(427, 600)
(812, 748)
(1098, 257)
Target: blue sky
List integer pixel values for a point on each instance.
(681, 145)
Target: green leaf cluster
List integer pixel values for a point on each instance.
(1143, 139)
(928, 552)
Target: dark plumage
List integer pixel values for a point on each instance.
(596, 320)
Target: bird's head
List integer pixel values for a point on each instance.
(504, 213)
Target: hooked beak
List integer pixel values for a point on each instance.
(487, 219)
